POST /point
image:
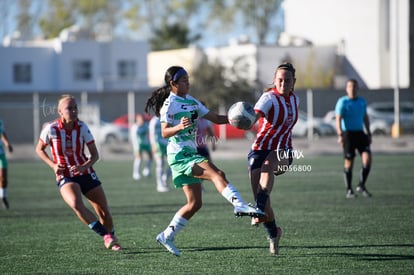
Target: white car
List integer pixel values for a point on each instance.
(377, 126)
(320, 128)
(385, 112)
(108, 133)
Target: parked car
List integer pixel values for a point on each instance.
(385, 111)
(320, 128)
(232, 132)
(108, 133)
(377, 126)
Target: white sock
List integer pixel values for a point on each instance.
(149, 165)
(3, 192)
(177, 223)
(137, 164)
(232, 195)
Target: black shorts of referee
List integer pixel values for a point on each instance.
(355, 140)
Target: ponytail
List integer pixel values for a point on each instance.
(157, 98)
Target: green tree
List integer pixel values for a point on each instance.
(257, 15)
(209, 84)
(58, 18)
(24, 19)
(165, 21)
(172, 36)
(90, 14)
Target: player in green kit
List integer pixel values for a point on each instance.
(179, 112)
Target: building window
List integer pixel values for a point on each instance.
(126, 69)
(82, 70)
(22, 73)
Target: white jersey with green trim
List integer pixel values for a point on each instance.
(173, 109)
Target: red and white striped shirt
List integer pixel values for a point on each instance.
(280, 114)
(68, 146)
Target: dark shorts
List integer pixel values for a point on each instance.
(355, 140)
(204, 152)
(86, 182)
(256, 158)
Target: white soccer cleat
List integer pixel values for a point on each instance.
(146, 172)
(168, 244)
(248, 210)
(350, 194)
(162, 189)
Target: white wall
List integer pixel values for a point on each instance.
(123, 50)
(52, 64)
(79, 50)
(366, 28)
(43, 68)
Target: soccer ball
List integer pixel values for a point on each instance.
(241, 115)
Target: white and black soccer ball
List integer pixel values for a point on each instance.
(241, 115)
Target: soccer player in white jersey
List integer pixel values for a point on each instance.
(179, 112)
(141, 146)
(277, 112)
(159, 150)
(68, 138)
(4, 143)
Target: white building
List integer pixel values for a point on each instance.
(314, 65)
(373, 34)
(73, 66)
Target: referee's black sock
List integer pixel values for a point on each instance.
(363, 175)
(348, 178)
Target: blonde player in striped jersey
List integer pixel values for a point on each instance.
(68, 138)
(277, 112)
(179, 112)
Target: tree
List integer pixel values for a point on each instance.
(24, 19)
(261, 16)
(174, 36)
(165, 21)
(209, 84)
(90, 15)
(58, 18)
(145, 19)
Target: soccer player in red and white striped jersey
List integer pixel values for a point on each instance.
(68, 138)
(277, 112)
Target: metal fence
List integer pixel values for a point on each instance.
(24, 113)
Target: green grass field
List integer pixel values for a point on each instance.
(324, 233)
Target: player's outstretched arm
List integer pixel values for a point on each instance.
(216, 118)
